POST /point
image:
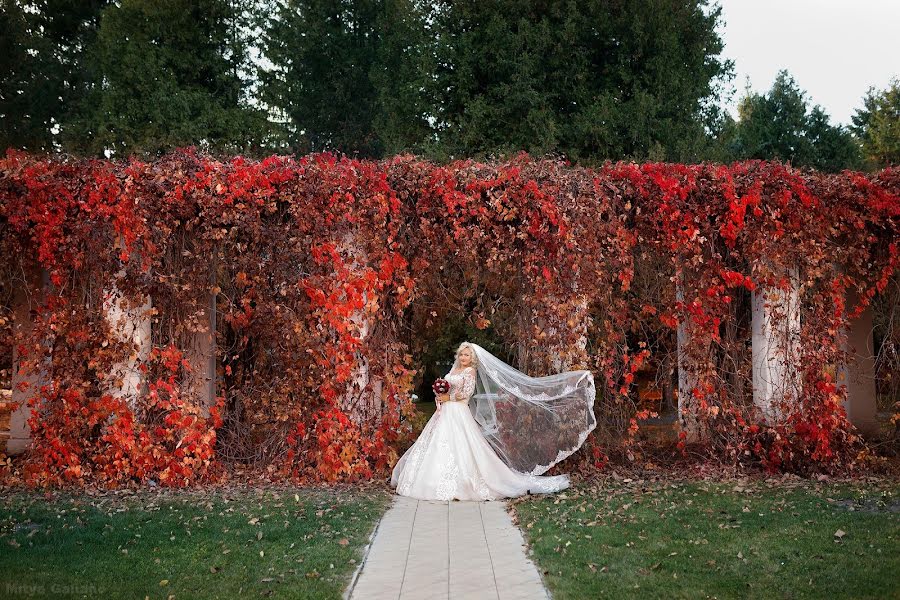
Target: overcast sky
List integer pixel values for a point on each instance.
(835, 50)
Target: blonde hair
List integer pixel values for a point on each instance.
(471, 350)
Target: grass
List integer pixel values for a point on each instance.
(268, 542)
(426, 409)
(717, 540)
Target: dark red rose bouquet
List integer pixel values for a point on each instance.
(440, 386)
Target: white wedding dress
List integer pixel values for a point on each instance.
(451, 459)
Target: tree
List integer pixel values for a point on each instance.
(23, 124)
(780, 125)
(833, 147)
(401, 76)
(321, 52)
(347, 75)
(42, 67)
(165, 74)
(593, 79)
(877, 126)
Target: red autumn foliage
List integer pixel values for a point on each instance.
(330, 274)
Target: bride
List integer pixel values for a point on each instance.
(496, 431)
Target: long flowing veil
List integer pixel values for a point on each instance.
(531, 422)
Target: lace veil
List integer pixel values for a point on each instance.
(531, 422)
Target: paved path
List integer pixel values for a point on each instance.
(452, 550)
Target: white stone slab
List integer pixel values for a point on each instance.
(449, 550)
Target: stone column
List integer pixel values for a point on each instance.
(858, 374)
(775, 344)
(687, 375)
(27, 295)
(200, 350)
(130, 322)
(362, 406)
(573, 317)
(523, 329)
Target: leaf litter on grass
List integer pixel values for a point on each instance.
(557, 524)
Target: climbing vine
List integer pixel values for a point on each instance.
(329, 274)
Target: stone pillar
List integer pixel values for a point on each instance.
(27, 295)
(775, 345)
(362, 406)
(130, 322)
(573, 316)
(200, 350)
(6, 409)
(687, 375)
(523, 329)
(858, 374)
(359, 405)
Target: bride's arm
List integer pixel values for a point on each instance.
(468, 386)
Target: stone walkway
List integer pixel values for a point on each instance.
(426, 549)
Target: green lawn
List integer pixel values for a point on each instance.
(426, 409)
(275, 542)
(704, 540)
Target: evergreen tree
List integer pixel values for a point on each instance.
(780, 125)
(833, 147)
(877, 126)
(592, 79)
(167, 73)
(42, 67)
(348, 75)
(322, 52)
(401, 76)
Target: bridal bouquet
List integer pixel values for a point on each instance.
(440, 386)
